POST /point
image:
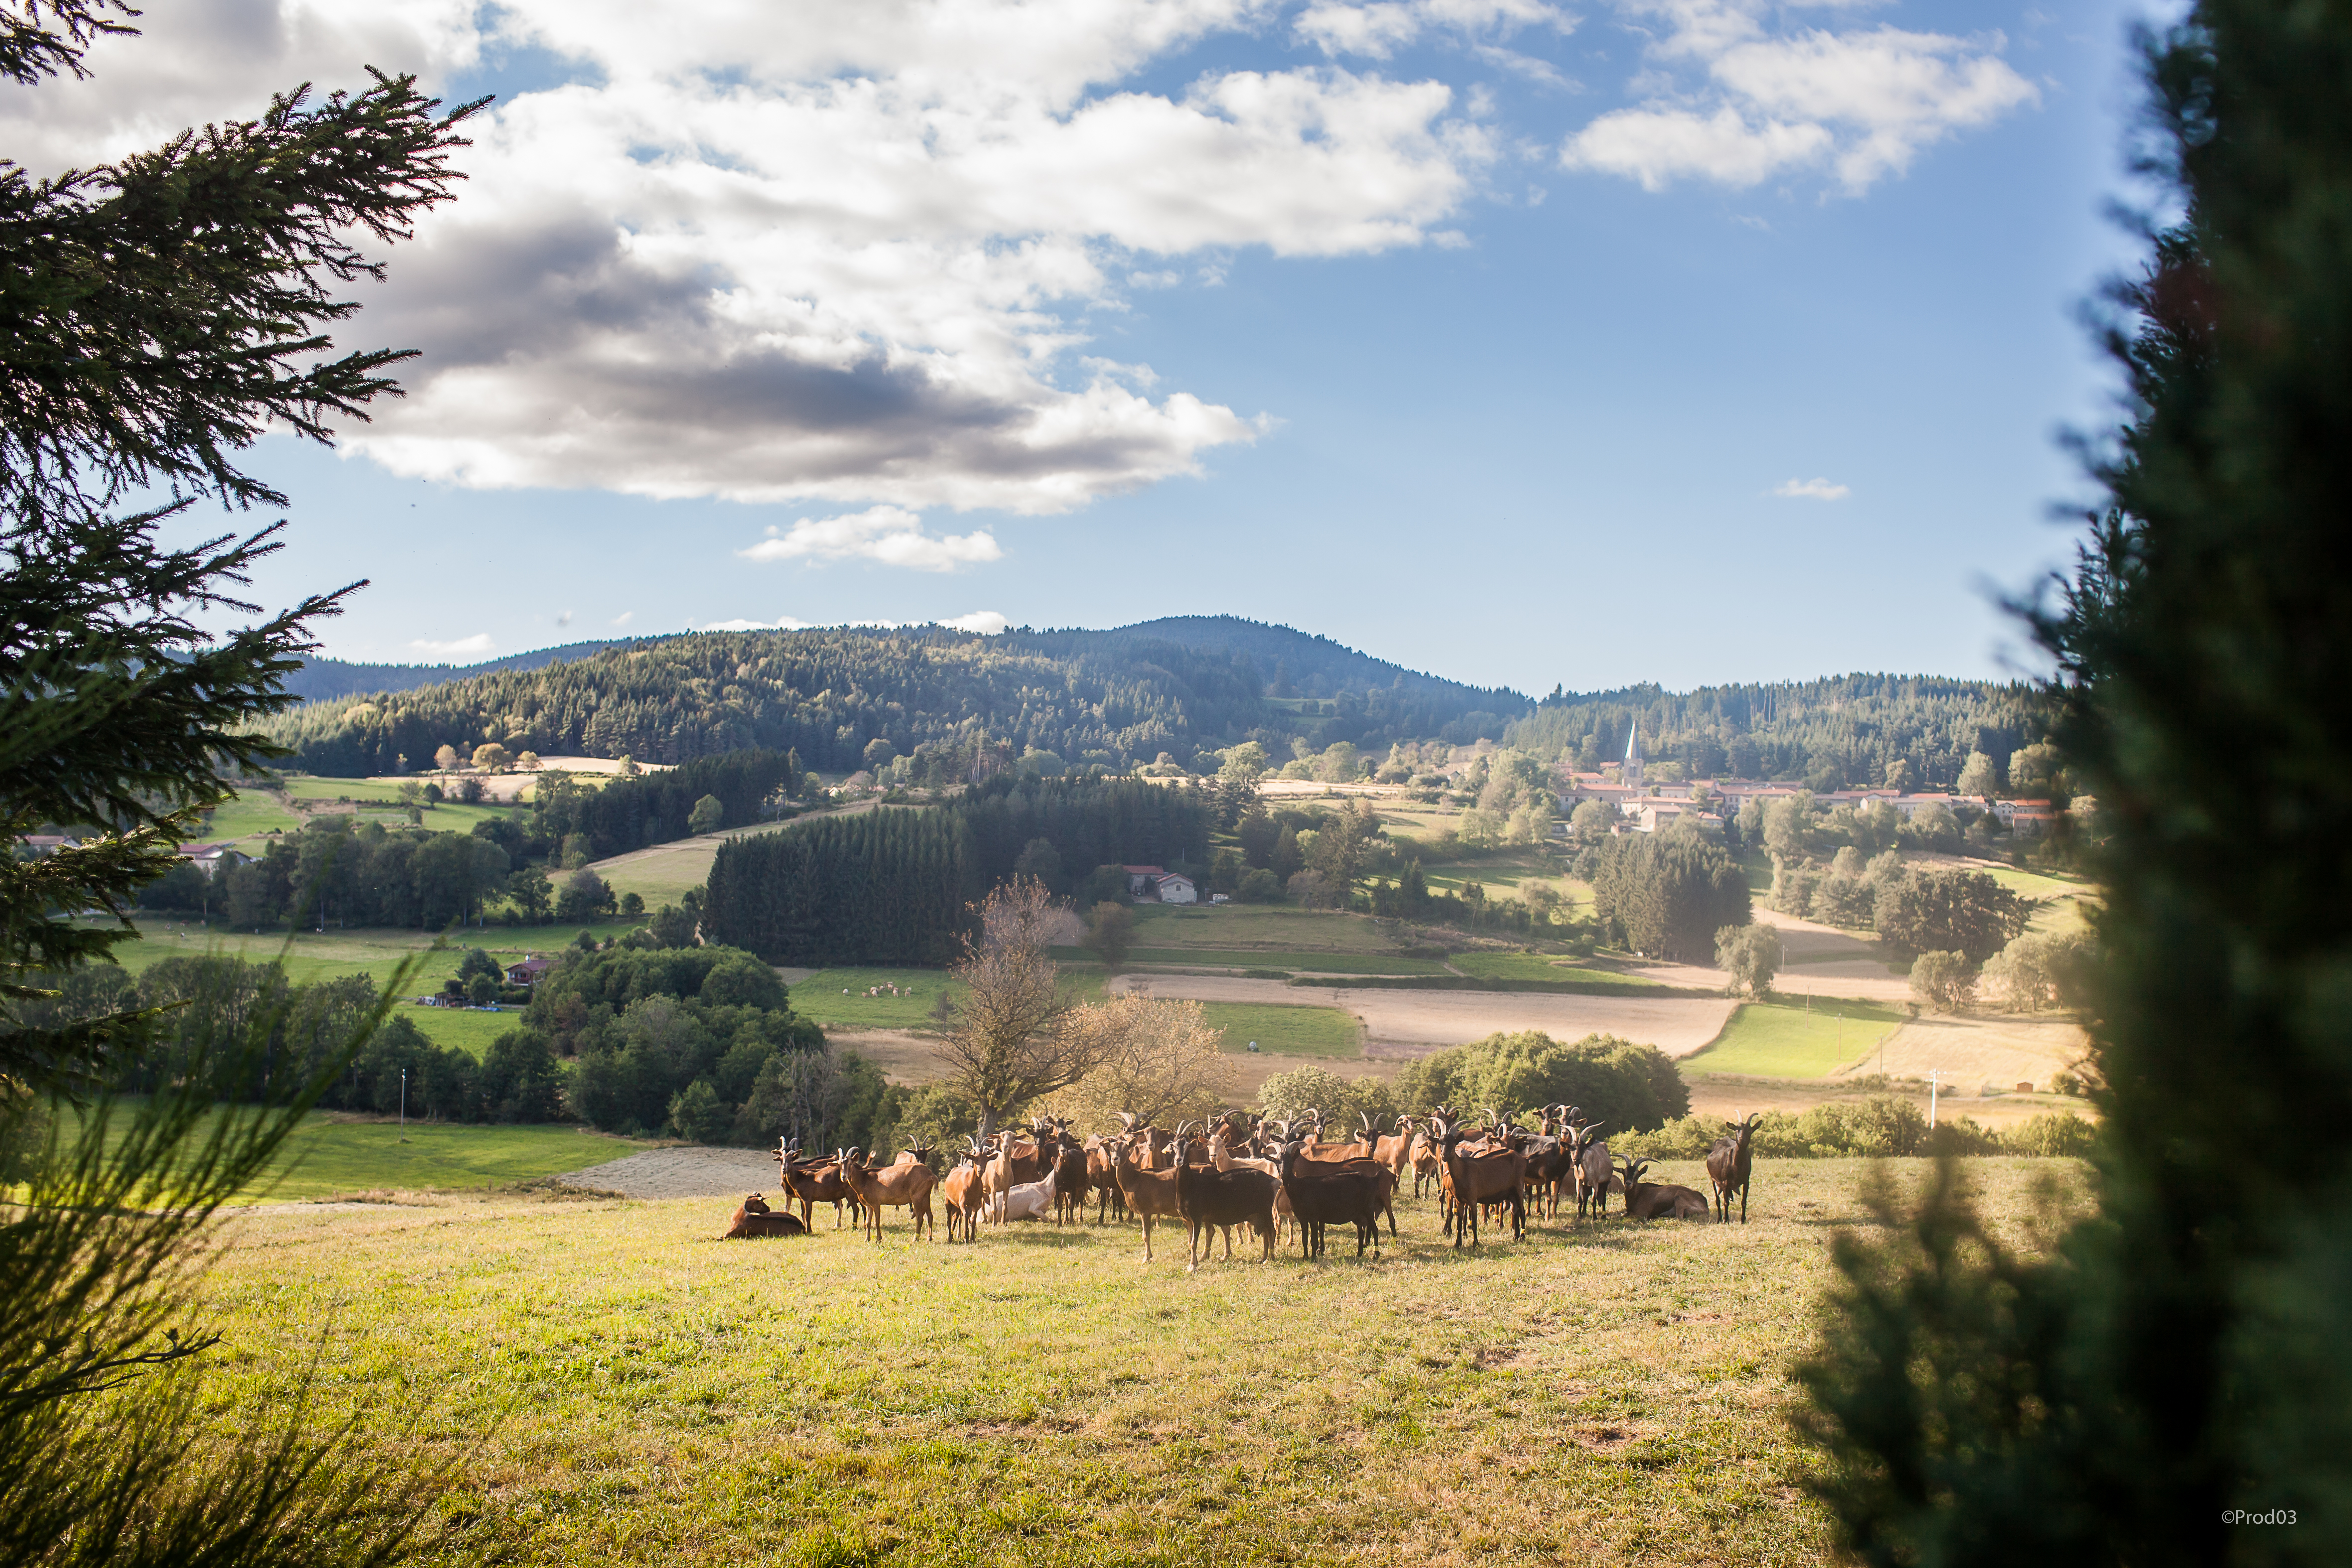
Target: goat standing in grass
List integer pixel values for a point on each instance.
(1499, 1177)
(964, 1192)
(1593, 1171)
(1150, 1194)
(813, 1182)
(1351, 1191)
(889, 1186)
(1209, 1197)
(1728, 1164)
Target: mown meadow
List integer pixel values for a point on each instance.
(614, 1384)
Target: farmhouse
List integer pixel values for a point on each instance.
(1176, 889)
(210, 857)
(41, 845)
(528, 971)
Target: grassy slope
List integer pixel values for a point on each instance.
(331, 954)
(1776, 1039)
(340, 1157)
(617, 1386)
(1271, 928)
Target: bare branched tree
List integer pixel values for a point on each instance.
(1005, 1039)
(1161, 1062)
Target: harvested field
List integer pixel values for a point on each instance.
(1414, 1023)
(1996, 1050)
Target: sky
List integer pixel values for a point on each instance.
(1527, 343)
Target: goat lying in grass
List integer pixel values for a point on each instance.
(754, 1218)
(1661, 1200)
(1023, 1200)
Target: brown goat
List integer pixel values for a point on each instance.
(754, 1218)
(813, 1182)
(1499, 1177)
(1660, 1200)
(1150, 1195)
(962, 1193)
(876, 1188)
(1728, 1164)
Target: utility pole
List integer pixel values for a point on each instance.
(1935, 1082)
(403, 1099)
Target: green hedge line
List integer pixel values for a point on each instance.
(1879, 1126)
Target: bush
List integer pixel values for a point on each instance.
(1287, 1095)
(696, 1114)
(1879, 1126)
(1631, 1087)
(1943, 980)
(1260, 887)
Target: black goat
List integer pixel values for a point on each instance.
(1348, 1192)
(1206, 1198)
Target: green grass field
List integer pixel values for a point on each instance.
(332, 1156)
(1268, 926)
(1286, 1031)
(819, 997)
(248, 816)
(1316, 962)
(1543, 966)
(615, 1385)
(1778, 1039)
(462, 1027)
(312, 956)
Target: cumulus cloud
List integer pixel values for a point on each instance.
(781, 624)
(478, 646)
(1741, 104)
(838, 250)
(1815, 488)
(890, 534)
(987, 622)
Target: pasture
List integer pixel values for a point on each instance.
(1297, 960)
(338, 952)
(1780, 1039)
(615, 1385)
(1543, 966)
(1326, 1033)
(1269, 928)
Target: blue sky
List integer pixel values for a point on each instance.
(1480, 334)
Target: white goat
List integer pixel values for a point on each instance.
(1023, 1200)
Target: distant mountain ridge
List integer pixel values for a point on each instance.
(325, 678)
(1184, 685)
(1111, 697)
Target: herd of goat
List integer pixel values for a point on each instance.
(1246, 1170)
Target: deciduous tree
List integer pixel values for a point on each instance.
(1002, 1039)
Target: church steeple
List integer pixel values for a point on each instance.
(1631, 771)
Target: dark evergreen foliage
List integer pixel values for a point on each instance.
(1667, 894)
(2188, 1352)
(654, 807)
(896, 886)
(1842, 732)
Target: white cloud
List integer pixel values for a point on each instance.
(625, 617)
(1863, 102)
(987, 622)
(888, 535)
(1813, 490)
(478, 646)
(781, 624)
(1378, 30)
(837, 250)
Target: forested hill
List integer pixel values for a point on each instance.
(1843, 730)
(327, 678)
(1114, 698)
